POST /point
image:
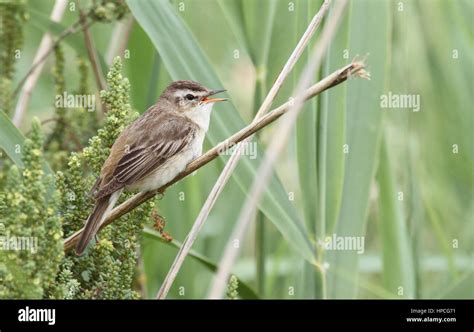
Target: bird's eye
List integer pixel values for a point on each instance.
(189, 97)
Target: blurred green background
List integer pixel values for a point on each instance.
(402, 180)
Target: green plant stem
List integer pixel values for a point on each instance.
(260, 91)
(320, 226)
(320, 282)
(320, 223)
(260, 252)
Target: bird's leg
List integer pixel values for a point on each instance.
(161, 193)
(159, 225)
(160, 222)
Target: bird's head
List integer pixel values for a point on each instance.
(189, 96)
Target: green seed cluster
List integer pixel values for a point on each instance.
(58, 70)
(73, 127)
(84, 122)
(30, 208)
(107, 269)
(109, 10)
(13, 15)
(31, 225)
(55, 140)
(232, 288)
(5, 94)
(83, 75)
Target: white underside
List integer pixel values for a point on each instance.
(172, 167)
(175, 165)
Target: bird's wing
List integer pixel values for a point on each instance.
(154, 143)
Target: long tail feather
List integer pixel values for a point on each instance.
(93, 223)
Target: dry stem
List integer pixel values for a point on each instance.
(337, 77)
(235, 157)
(277, 145)
(31, 80)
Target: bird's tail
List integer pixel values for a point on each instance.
(102, 207)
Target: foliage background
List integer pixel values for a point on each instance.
(423, 243)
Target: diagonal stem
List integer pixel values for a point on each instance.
(235, 157)
(39, 62)
(92, 54)
(91, 51)
(31, 80)
(337, 77)
(277, 144)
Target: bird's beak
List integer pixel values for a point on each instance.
(207, 100)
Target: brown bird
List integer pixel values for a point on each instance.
(153, 149)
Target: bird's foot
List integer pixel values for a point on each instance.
(159, 226)
(161, 193)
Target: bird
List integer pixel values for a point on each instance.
(153, 149)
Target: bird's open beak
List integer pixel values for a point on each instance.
(207, 100)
